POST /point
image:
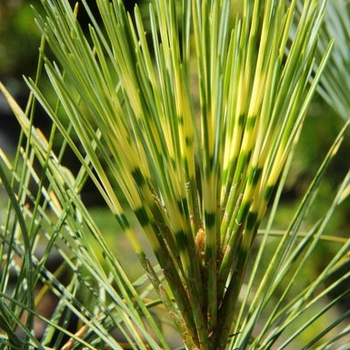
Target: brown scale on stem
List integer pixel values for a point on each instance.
(200, 243)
